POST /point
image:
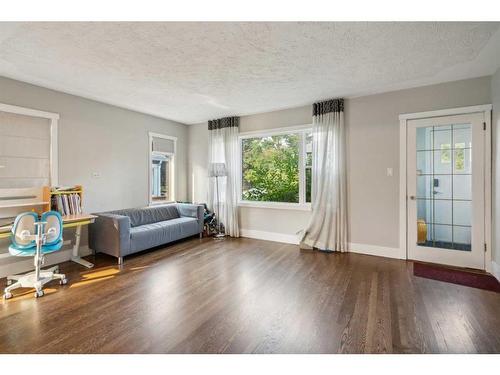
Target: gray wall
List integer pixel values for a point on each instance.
(495, 99)
(373, 146)
(96, 137)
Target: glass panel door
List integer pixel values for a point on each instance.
(444, 186)
(446, 190)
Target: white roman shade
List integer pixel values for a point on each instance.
(163, 145)
(24, 151)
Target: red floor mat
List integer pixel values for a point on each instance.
(449, 275)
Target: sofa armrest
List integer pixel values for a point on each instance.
(192, 210)
(110, 234)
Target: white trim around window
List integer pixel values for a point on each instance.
(302, 205)
(173, 168)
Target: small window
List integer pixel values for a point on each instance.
(160, 176)
(277, 168)
(162, 157)
(445, 153)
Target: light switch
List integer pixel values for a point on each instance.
(389, 172)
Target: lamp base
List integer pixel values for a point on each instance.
(219, 236)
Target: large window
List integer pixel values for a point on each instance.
(161, 173)
(28, 147)
(276, 168)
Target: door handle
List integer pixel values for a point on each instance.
(412, 197)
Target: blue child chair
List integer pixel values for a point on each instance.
(34, 237)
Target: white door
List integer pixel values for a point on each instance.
(445, 182)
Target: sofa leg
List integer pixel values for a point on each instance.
(120, 261)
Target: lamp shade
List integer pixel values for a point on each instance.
(217, 170)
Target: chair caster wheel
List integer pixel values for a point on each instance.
(7, 295)
(39, 294)
(63, 281)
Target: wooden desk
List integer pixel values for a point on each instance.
(69, 221)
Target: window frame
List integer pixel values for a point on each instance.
(172, 169)
(302, 205)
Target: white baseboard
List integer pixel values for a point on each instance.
(495, 269)
(270, 236)
(381, 251)
(26, 264)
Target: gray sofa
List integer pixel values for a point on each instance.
(124, 232)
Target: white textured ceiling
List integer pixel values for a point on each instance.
(192, 72)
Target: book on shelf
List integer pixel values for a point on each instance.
(66, 200)
(67, 204)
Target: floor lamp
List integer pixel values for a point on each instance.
(217, 170)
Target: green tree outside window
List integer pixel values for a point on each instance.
(270, 167)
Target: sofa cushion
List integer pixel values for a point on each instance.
(148, 215)
(155, 234)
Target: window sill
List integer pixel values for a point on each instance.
(276, 205)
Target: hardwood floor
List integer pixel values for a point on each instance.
(249, 296)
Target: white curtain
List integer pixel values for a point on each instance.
(327, 229)
(223, 148)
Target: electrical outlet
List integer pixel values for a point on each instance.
(96, 174)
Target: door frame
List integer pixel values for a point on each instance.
(403, 192)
